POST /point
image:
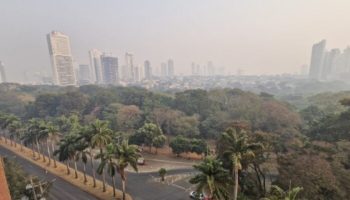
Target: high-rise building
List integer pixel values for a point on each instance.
(95, 66)
(317, 59)
(110, 73)
(2, 73)
(171, 72)
(330, 59)
(61, 59)
(84, 75)
(193, 68)
(148, 70)
(163, 70)
(128, 68)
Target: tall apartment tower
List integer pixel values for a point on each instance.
(163, 70)
(317, 59)
(84, 75)
(171, 72)
(2, 73)
(148, 70)
(128, 68)
(109, 69)
(95, 66)
(61, 59)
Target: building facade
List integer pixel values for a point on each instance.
(2, 73)
(61, 59)
(95, 66)
(110, 73)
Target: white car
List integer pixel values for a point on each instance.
(196, 196)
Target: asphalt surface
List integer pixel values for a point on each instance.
(60, 190)
(141, 186)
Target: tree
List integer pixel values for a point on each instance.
(128, 117)
(82, 154)
(278, 193)
(213, 180)
(108, 158)
(67, 151)
(126, 155)
(162, 172)
(51, 134)
(151, 135)
(180, 145)
(101, 136)
(198, 146)
(235, 148)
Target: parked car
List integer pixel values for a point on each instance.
(141, 161)
(196, 196)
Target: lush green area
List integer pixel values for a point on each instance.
(260, 140)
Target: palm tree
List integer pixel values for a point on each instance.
(236, 148)
(126, 155)
(101, 136)
(213, 180)
(67, 151)
(278, 193)
(82, 154)
(6, 122)
(33, 129)
(108, 158)
(14, 129)
(51, 134)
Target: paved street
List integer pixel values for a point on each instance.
(60, 190)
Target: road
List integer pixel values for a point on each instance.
(60, 188)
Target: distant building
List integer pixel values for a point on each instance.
(170, 71)
(163, 70)
(317, 59)
(136, 74)
(193, 69)
(2, 73)
(61, 59)
(84, 75)
(210, 68)
(109, 69)
(329, 63)
(148, 70)
(128, 68)
(95, 66)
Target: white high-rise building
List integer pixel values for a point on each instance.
(96, 66)
(61, 59)
(84, 75)
(128, 68)
(317, 60)
(171, 70)
(2, 73)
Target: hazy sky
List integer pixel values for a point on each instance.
(257, 36)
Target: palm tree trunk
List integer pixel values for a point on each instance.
(48, 152)
(53, 157)
(38, 148)
(113, 182)
(68, 171)
(92, 168)
(103, 173)
(123, 185)
(235, 189)
(84, 167)
(42, 152)
(33, 151)
(21, 145)
(75, 169)
(104, 181)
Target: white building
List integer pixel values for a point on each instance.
(2, 73)
(96, 66)
(61, 59)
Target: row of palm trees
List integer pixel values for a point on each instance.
(70, 142)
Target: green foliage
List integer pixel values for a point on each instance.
(17, 179)
(213, 180)
(180, 145)
(162, 172)
(149, 134)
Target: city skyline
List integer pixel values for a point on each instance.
(259, 38)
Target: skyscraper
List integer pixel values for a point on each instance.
(128, 69)
(84, 75)
(2, 73)
(329, 63)
(95, 66)
(211, 69)
(171, 72)
(317, 59)
(110, 73)
(148, 70)
(163, 70)
(61, 59)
